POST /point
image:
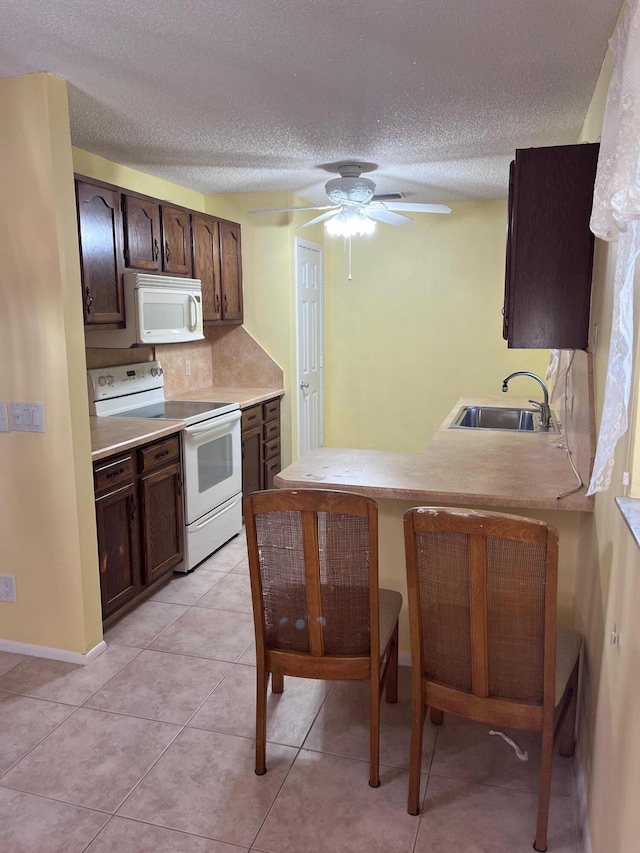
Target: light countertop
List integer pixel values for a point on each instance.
(475, 467)
(115, 435)
(225, 394)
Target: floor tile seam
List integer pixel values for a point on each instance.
(320, 707)
(104, 825)
(131, 716)
(222, 609)
(14, 665)
(52, 799)
(148, 770)
(355, 758)
(429, 768)
(278, 792)
(200, 657)
(117, 672)
(163, 826)
(558, 797)
(41, 741)
(40, 698)
(204, 701)
(155, 637)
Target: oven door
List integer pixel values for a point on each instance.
(212, 464)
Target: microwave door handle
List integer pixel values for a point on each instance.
(193, 313)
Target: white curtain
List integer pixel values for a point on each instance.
(616, 216)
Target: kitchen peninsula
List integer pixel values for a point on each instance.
(504, 470)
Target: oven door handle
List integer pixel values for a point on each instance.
(197, 433)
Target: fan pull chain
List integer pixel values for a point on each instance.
(349, 256)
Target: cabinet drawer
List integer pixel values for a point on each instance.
(272, 448)
(271, 429)
(271, 468)
(112, 473)
(251, 417)
(271, 409)
(159, 454)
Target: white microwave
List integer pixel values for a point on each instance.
(159, 309)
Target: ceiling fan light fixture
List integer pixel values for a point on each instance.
(350, 223)
(343, 189)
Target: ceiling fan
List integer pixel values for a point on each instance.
(354, 205)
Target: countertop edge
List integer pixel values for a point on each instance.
(630, 510)
(148, 431)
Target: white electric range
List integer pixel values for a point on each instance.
(211, 450)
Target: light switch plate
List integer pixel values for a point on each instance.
(27, 417)
(4, 418)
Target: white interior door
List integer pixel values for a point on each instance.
(310, 345)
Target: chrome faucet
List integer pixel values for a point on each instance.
(545, 411)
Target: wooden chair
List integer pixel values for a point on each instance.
(482, 589)
(317, 609)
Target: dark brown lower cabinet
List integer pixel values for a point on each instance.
(260, 446)
(139, 518)
(117, 548)
(162, 521)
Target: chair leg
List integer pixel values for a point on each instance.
(374, 733)
(546, 757)
(436, 716)
(567, 733)
(277, 682)
(391, 690)
(415, 762)
(261, 719)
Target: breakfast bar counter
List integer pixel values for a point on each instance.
(464, 467)
(504, 470)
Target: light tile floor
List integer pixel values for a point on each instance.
(149, 750)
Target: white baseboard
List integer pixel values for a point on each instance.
(52, 654)
(583, 812)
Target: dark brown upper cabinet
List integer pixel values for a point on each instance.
(176, 241)
(217, 262)
(206, 263)
(231, 271)
(142, 234)
(101, 256)
(550, 247)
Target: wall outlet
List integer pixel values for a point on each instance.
(187, 367)
(7, 588)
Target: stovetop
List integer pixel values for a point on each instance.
(179, 410)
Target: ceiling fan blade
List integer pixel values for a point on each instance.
(287, 209)
(387, 216)
(415, 207)
(320, 218)
(387, 197)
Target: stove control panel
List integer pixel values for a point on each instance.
(107, 382)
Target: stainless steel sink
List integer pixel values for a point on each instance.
(494, 417)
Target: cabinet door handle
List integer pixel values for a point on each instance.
(217, 303)
(167, 251)
(115, 473)
(156, 249)
(161, 454)
(226, 304)
(133, 508)
(88, 300)
(179, 484)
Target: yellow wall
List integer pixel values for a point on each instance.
(92, 166)
(47, 522)
(608, 595)
(418, 326)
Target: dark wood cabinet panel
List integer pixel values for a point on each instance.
(117, 527)
(251, 460)
(176, 241)
(261, 459)
(101, 253)
(140, 522)
(550, 247)
(231, 271)
(162, 521)
(206, 264)
(142, 234)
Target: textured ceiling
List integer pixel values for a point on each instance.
(250, 95)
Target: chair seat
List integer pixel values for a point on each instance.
(390, 604)
(568, 645)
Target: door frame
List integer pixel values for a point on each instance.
(301, 243)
